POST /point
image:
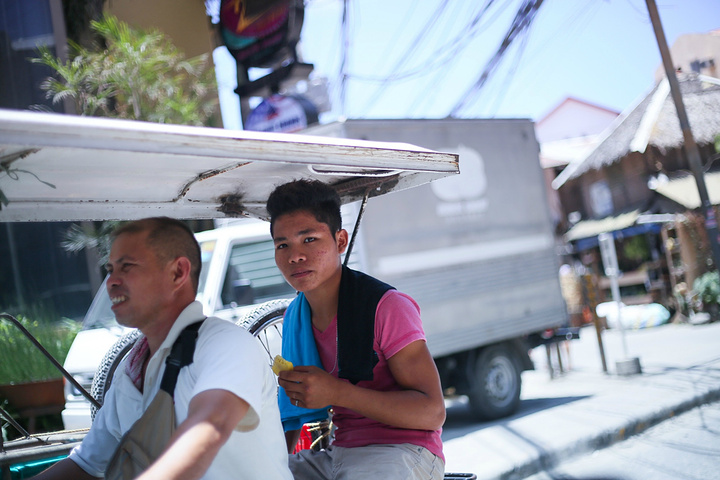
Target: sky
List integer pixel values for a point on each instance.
(421, 58)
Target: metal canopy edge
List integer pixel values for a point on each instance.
(57, 167)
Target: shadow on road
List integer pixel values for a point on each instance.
(460, 420)
(565, 477)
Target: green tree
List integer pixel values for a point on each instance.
(79, 237)
(138, 75)
(79, 80)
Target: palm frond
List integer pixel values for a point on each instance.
(137, 74)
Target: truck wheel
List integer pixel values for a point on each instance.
(494, 383)
(104, 374)
(265, 323)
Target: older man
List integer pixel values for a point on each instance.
(225, 401)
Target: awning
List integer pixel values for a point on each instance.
(685, 192)
(584, 235)
(64, 168)
(593, 228)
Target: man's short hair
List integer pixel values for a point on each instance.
(169, 239)
(313, 196)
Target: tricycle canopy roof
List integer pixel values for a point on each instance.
(66, 168)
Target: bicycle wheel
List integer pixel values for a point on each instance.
(265, 323)
(104, 374)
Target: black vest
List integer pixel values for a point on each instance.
(357, 302)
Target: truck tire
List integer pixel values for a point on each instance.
(495, 383)
(104, 374)
(265, 323)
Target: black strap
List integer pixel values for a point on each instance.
(357, 303)
(181, 355)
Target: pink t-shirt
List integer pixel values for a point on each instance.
(397, 324)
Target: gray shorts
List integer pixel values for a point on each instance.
(399, 462)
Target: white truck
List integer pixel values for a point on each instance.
(476, 250)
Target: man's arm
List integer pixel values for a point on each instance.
(65, 469)
(420, 405)
(212, 416)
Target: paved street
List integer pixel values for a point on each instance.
(585, 410)
(686, 447)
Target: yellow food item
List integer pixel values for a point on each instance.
(280, 365)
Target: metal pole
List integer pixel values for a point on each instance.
(357, 226)
(47, 355)
(615, 292)
(243, 79)
(589, 290)
(690, 146)
(15, 265)
(606, 241)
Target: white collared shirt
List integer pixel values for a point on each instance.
(226, 357)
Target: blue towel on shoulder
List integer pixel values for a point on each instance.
(298, 346)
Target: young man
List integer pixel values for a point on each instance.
(358, 346)
(228, 423)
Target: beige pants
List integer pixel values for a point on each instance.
(399, 462)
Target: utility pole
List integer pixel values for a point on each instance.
(691, 147)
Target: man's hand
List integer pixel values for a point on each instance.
(309, 386)
(419, 404)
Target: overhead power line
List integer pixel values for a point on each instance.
(521, 23)
(344, 55)
(449, 51)
(407, 54)
(439, 57)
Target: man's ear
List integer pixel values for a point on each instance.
(181, 270)
(342, 240)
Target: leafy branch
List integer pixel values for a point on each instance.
(136, 75)
(78, 237)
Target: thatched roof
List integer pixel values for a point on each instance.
(653, 121)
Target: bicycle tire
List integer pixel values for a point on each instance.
(264, 322)
(103, 376)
